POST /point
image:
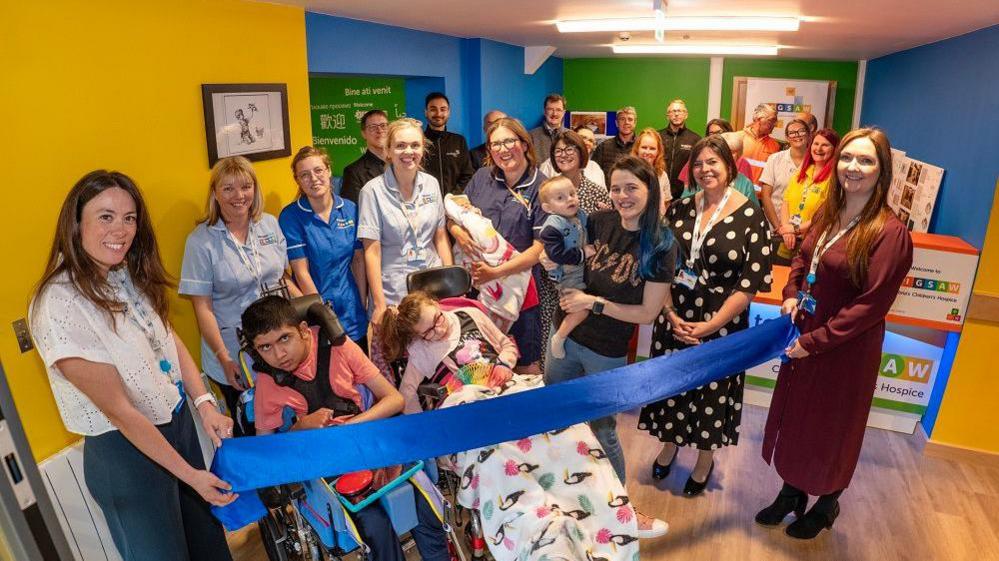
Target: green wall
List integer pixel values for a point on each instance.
(606, 84)
(843, 72)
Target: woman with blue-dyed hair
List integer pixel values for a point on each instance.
(627, 281)
(724, 240)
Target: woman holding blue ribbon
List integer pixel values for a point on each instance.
(121, 377)
(725, 246)
(841, 286)
(235, 254)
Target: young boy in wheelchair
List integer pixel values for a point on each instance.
(315, 375)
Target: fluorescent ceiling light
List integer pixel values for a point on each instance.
(681, 23)
(756, 50)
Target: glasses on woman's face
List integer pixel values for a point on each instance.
(438, 322)
(797, 133)
(377, 127)
(318, 173)
(565, 151)
(507, 144)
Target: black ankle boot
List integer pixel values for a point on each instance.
(787, 501)
(818, 518)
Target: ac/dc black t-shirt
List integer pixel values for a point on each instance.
(612, 273)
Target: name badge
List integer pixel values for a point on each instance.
(796, 220)
(686, 277)
(267, 239)
(806, 302)
(414, 254)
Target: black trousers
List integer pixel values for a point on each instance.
(152, 515)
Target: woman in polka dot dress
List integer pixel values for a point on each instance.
(725, 244)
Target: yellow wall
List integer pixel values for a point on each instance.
(967, 413)
(116, 84)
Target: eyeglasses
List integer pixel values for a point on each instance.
(319, 173)
(377, 127)
(796, 134)
(501, 144)
(565, 151)
(438, 321)
(676, 111)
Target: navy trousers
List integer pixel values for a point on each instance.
(153, 516)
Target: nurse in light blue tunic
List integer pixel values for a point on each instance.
(401, 219)
(235, 253)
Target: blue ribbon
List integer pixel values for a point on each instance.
(251, 463)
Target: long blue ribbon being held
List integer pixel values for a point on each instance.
(252, 463)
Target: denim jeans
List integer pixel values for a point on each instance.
(580, 361)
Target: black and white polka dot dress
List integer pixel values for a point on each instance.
(735, 256)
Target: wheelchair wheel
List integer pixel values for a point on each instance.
(273, 535)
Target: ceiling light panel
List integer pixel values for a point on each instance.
(746, 50)
(681, 23)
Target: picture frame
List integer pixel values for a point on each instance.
(249, 120)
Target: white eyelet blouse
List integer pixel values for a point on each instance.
(65, 324)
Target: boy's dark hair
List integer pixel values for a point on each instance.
(267, 314)
(436, 95)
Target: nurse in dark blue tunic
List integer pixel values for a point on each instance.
(507, 193)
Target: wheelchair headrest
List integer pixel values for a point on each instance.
(312, 310)
(440, 282)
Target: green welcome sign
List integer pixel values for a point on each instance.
(338, 102)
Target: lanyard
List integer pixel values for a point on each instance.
(254, 265)
(412, 216)
(698, 237)
(809, 182)
(516, 194)
(820, 249)
(142, 317)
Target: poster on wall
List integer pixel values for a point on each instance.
(339, 102)
(913, 191)
(788, 97)
(596, 121)
(938, 287)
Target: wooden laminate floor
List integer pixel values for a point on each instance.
(901, 505)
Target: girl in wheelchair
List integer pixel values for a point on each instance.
(552, 495)
(316, 376)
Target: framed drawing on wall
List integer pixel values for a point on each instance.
(249, 120)
(787, 96)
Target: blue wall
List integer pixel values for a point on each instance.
(347, 46)
(505, 87)
(940, 104)
(416, 94)
(477, 74)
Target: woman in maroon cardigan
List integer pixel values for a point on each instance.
(841, 286)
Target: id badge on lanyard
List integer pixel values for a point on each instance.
(411, 251)
(806, 301)
(686, 276)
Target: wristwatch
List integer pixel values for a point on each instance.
(598, 306)
(207, 396)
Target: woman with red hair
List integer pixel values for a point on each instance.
(806, 191)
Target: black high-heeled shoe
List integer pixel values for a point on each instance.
(694, 488)
(811, 524)
(783, 505)
(659, 471)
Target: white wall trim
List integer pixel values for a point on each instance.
(858, 98)
(715, 87)
(534, 57)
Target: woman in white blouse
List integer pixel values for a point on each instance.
(121, 377)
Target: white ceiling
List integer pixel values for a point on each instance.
(833, 29)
